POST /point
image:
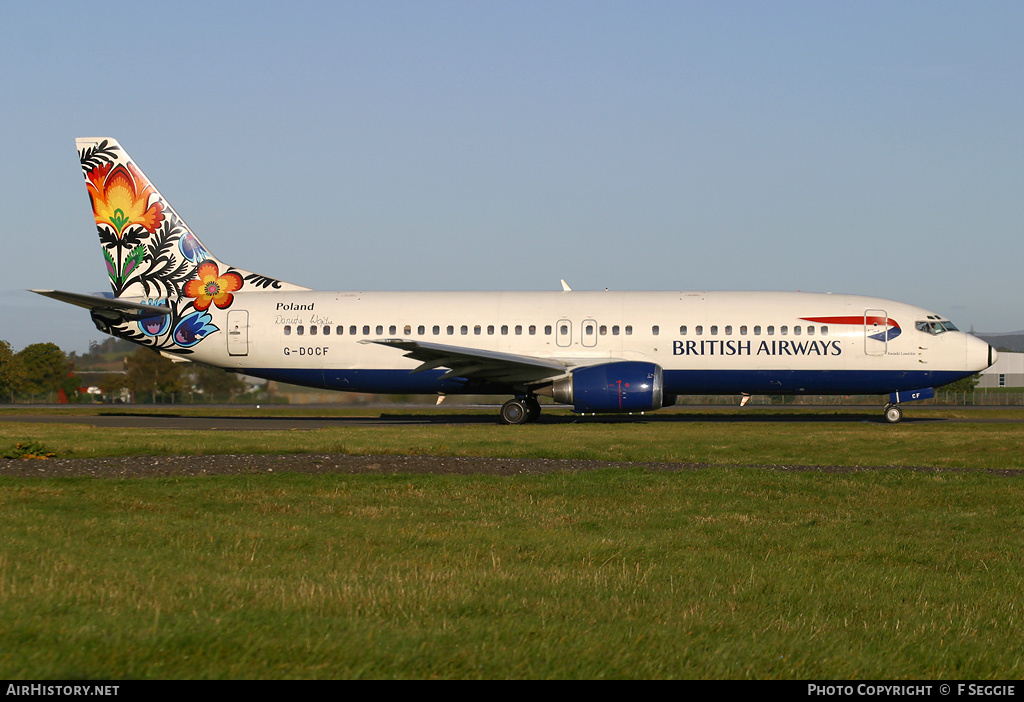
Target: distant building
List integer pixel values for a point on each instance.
(1006, 372)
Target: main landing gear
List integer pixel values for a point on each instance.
(892, 413)
(520, 410)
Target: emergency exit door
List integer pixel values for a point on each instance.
(238, 333)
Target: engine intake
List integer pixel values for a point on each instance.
(623, 386)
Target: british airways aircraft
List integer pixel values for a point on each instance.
(597, 351)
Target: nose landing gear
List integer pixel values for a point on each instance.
(892, 413)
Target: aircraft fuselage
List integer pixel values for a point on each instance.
(706, 342)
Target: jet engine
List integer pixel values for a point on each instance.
(622, 386)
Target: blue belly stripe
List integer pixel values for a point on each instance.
(677, 382)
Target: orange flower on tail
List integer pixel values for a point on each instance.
(212, 287)
(120, 198)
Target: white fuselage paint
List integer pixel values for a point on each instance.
(278, 332)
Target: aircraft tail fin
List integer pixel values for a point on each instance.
(149, 250)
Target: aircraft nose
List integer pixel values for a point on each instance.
(980, 354)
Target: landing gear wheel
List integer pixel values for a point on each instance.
(515, 412)
(892, 413)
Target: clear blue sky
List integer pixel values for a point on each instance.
(863, 147)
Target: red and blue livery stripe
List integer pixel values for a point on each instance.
(890, 328)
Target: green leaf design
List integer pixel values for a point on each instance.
(119, 219)
(111, 266)
(132, 261)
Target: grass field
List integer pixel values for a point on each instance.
(861, 441)
(723, 572)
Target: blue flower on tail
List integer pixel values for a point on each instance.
(193, 329)
(192, 248)
(155, 326)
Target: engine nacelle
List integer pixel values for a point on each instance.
(623, 386)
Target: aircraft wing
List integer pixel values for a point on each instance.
(477, 364)
(129, 310)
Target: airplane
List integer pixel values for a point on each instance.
(598, 351)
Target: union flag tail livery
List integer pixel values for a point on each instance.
(596, 351)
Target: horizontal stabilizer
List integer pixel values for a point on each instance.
(131, 310)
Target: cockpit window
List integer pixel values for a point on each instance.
(936, 327)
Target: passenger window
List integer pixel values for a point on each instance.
(450, 330)
(699, 330)
(392, 330)
(743, 330)
(654, 330)
(352, 330)
(299, 329)
(519, 329)
(504, 329)
(366, 330)
(339, 330)
(407, 330)
(287, 329)
(380, 328)
(629, 329)
(783, 330)
(603, 330)
(615, 330)
(436, 329)
(588, 329)
(533, 329)
(714, 329)
(824, 330)
(312, 331)
(547, 329)
(728, 330)
(327, 330)
(810, 330)
(771, 331)
(563, 329)
(476, 330)
(421, 330)
(796, 331)
(682, 330)
(757, 330)
(464, 329)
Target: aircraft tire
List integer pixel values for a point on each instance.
(532, 409)
(515, 412)
(893, 413)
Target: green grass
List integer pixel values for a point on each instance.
(723, 572)
(719, 573)
(997, 446)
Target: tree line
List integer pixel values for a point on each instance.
(44, 373)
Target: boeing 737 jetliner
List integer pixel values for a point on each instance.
(596, 351)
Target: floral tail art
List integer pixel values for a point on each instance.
(152, 257)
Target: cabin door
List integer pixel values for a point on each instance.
(238, 333)
(876, 332)
(563, 332)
